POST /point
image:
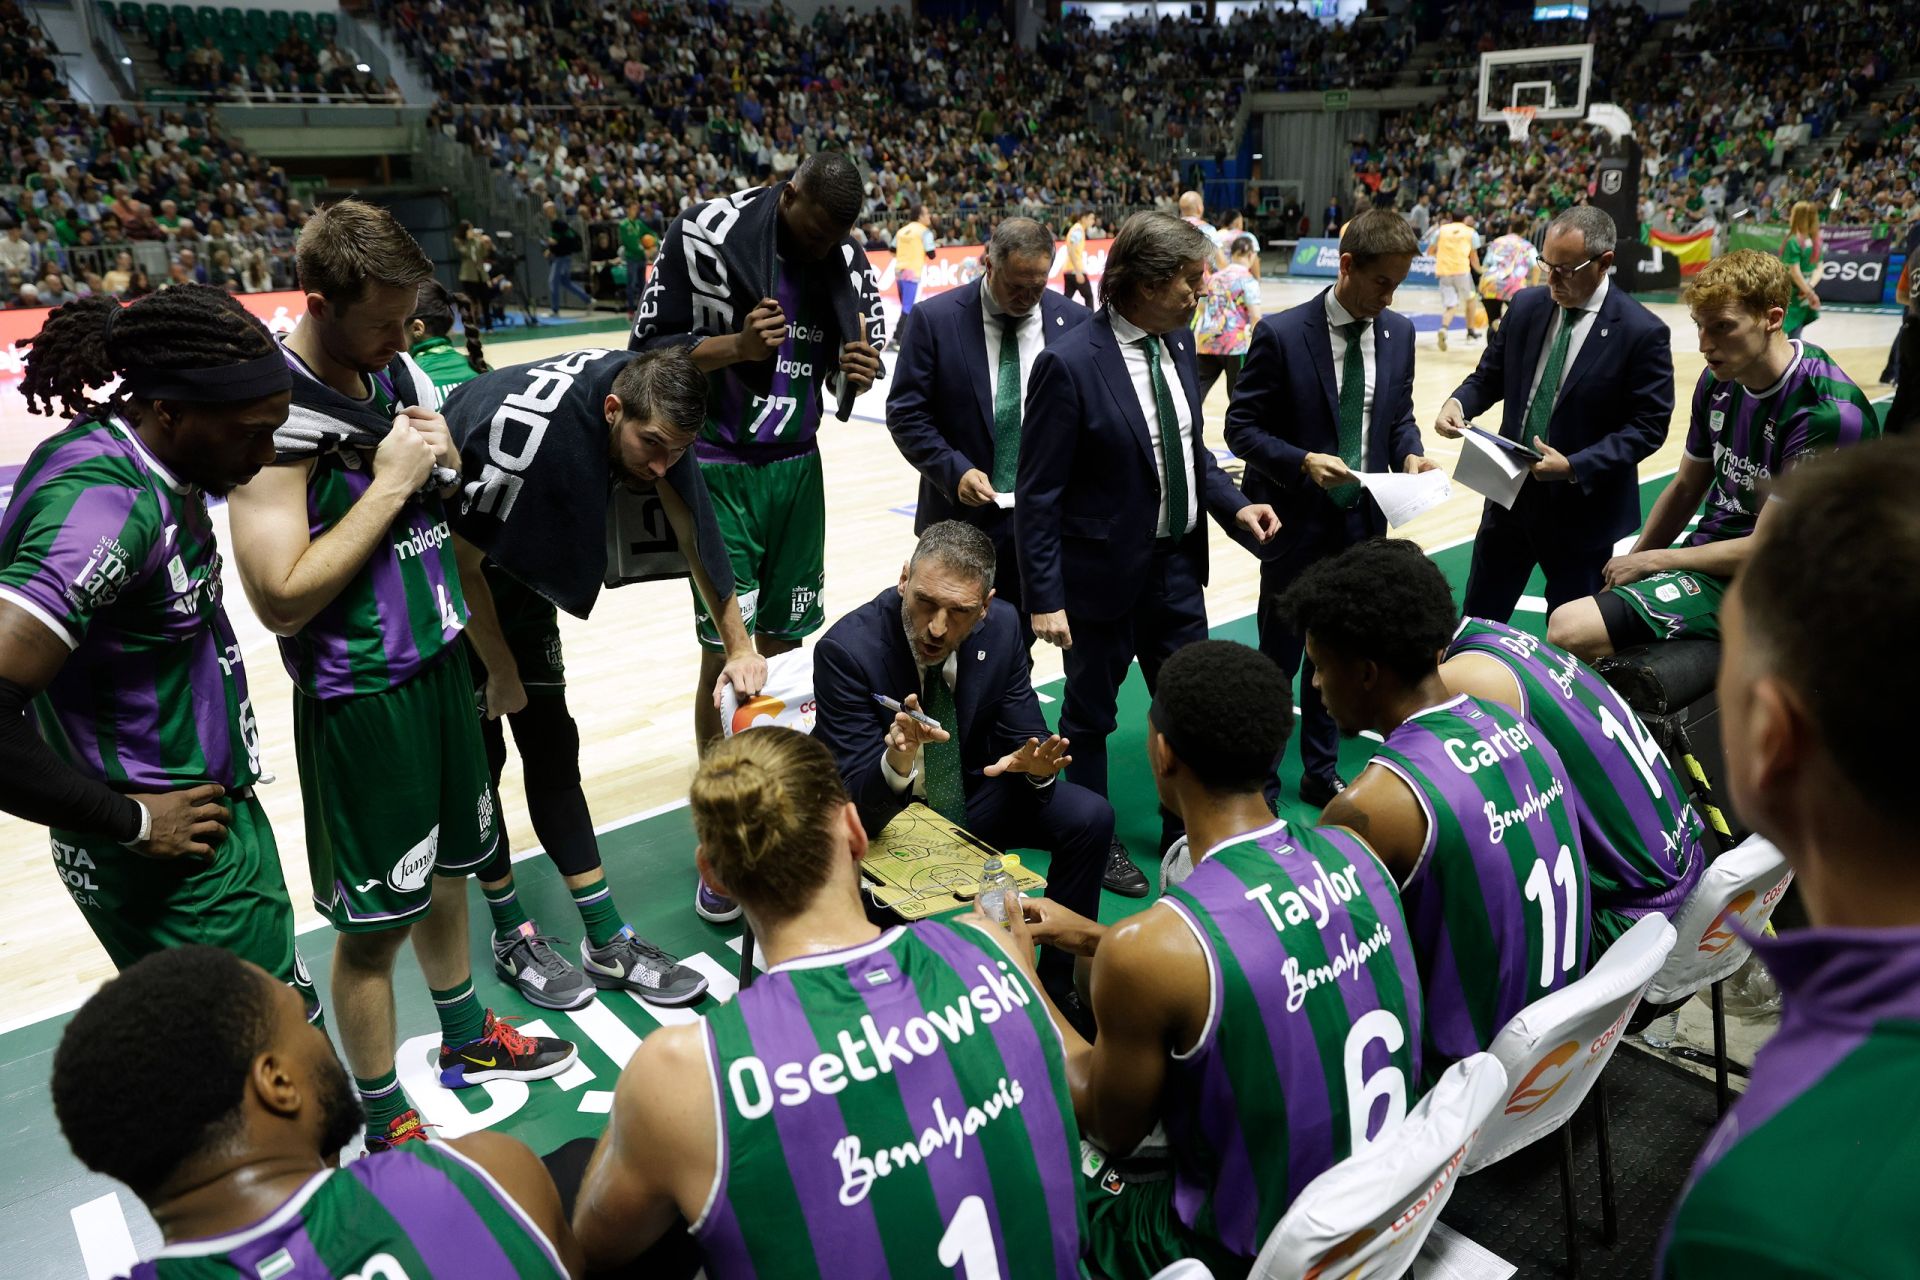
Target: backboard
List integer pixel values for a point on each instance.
(1553, 80)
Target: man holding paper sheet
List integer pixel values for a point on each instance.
(961, 382)
(1326, 394)
(1586, 374)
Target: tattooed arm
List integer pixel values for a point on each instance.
(1381, 809)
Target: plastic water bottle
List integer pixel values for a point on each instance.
(999, 893)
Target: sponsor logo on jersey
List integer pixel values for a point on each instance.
(1689, 586)
(803, 600)
(483, 810)
(422, 541)
(1539, 1085)
(1532, 805)
(1666, 593)
(409, 875)
(177, 573)
(101, 578)
(1716, 419)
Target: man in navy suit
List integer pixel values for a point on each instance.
(961, 382)
(1327, 391)
(1115, 480)
(941, 644)
(1587, 376)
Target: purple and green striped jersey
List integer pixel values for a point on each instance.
(401, 610)
(1498, 902)
(1753, 437)
(422, 1213)
(763, 411)
(1812, 1172)
(117, 557)
(892, 1110)
(1641, 835)
(1312, 1041)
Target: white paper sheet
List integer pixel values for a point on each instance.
(1004, 501)
(1403, 497)
(1489, 469)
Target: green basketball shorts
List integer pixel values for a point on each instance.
(396, 791)
(237, 899)
(773, 518)
(1677, 603)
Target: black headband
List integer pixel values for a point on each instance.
(225, 383)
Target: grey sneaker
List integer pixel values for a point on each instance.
(630, 963)
(527, 960)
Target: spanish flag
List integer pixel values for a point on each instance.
(1693, 251)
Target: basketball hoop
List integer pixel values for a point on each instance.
(1519, 120)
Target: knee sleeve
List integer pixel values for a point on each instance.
(549, 742)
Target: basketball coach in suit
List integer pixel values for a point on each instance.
(1586, 374)
(1115, 484)
(940, 643)
(960, 384)
(1327, 391)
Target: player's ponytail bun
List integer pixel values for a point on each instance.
(765, 804)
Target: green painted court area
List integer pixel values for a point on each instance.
(57, 1220)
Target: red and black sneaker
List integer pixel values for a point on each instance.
(405, 1127)
(501, 1053)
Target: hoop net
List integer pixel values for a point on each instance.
(1519, 120)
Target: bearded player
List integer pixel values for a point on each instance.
(1763, 404)
(882, 1103)
(1217, 1008)
(1466, 804)
(236, 1157)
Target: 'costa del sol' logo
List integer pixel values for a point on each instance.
(1532, 1092)
(1720, 935)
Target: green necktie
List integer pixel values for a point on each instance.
(1353, 411)
(1171, 460)
(1540, 412)
(1006, 408)
(945, 781)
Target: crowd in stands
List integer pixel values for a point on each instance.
(126, 203)
(1735, 116)
(257, 56)
(950, 115)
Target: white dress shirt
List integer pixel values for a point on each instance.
(1032, 336)
(1127, 333)
(1338, 317)
(1581, 328)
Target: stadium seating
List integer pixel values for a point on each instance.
(1365, 1218)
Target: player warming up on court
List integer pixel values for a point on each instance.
(236, 1157)
(1641, 835)
(881, 1103)
(1466, 804)
(113, 630)
(1763, 403)
(781, 311)
(543, 441)
(346, 557)
(1220, 1015)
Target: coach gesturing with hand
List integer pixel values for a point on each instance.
(1114, 478)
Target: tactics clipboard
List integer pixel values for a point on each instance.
(921, 865)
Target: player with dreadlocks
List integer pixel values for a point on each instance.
(113, 631)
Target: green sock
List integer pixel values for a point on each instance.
(504, 906)
(598, 913)
(384, 1100)
(462, 1020)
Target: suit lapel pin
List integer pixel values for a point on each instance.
(1060, 321)
(1603, 333)
(979, 655)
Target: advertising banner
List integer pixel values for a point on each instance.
(1321, 258)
